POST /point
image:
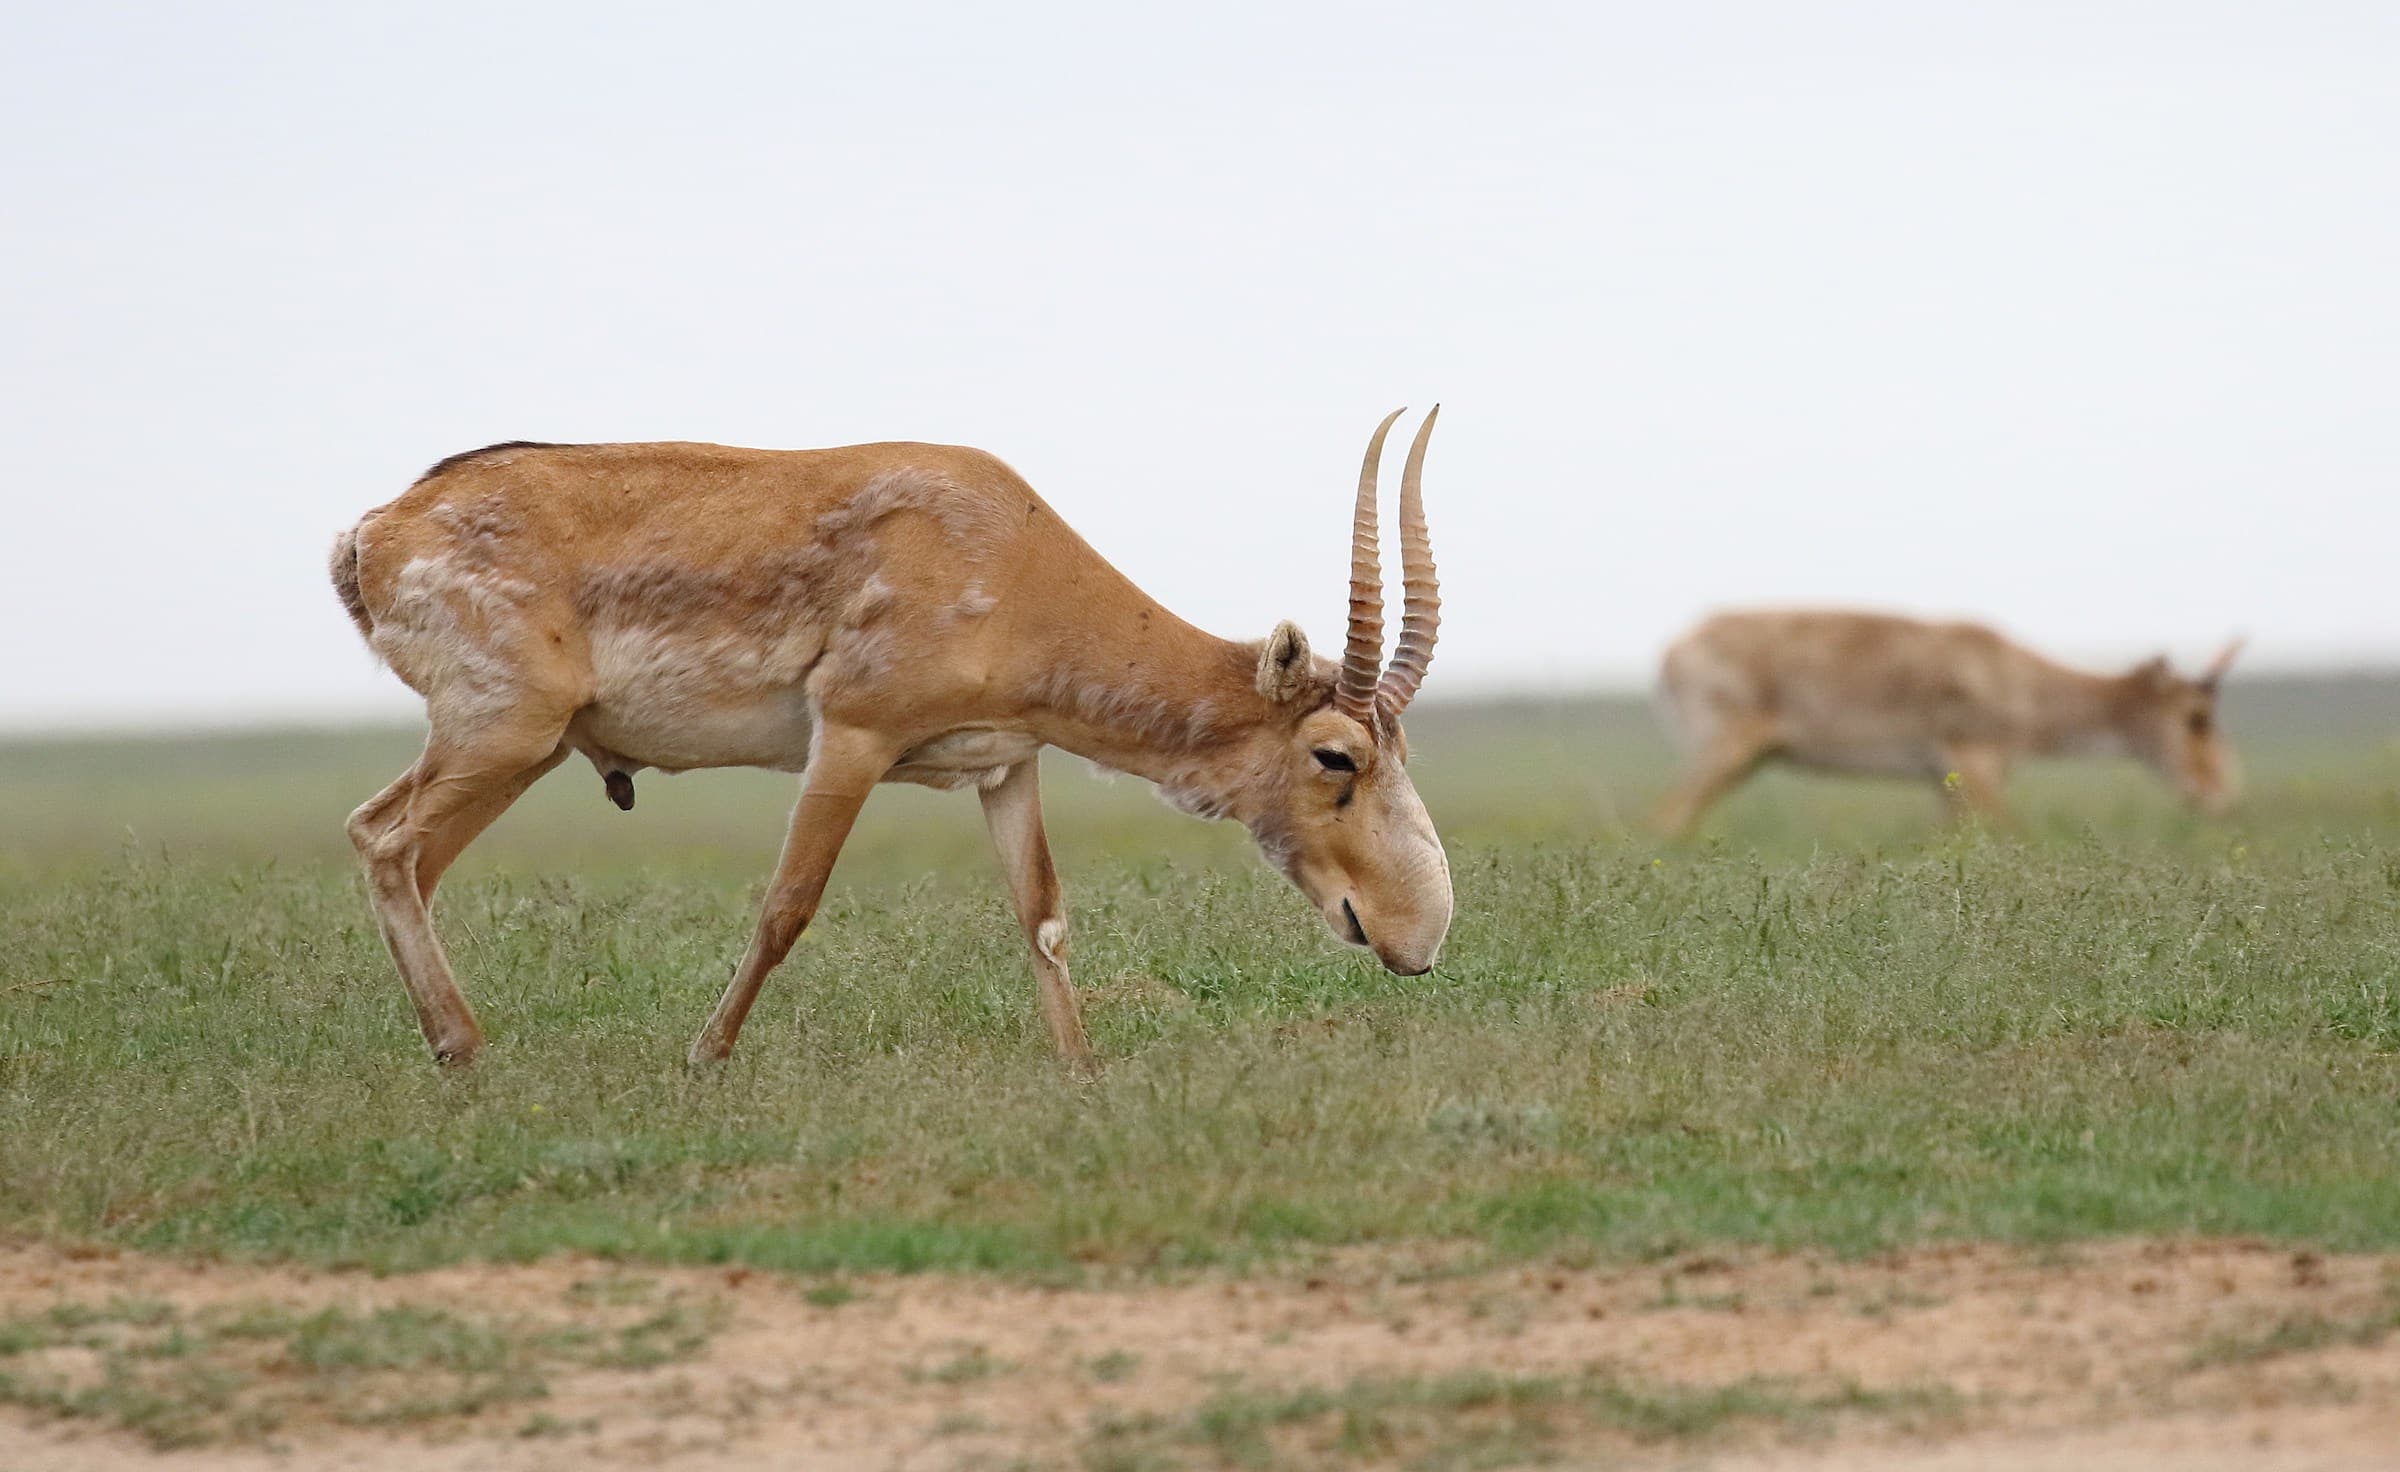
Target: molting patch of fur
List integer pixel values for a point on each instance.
(451, 631)
(973, 521)
(1279, 851)
(858, 656)
(662, 593)
(679, 666)
(1191, 794)
(832, 582)
(1254, 793)
(974, 602)
(442, 592)
(873, 599)
(482, 523)
(662, 630)
(1128, 709)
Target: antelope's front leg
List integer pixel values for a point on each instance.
(1012, 810)
(843, 768)
(1972, 783)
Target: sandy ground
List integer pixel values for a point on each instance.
(2122, 1355)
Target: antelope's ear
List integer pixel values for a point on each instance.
(2214, 675)
(1283, 667)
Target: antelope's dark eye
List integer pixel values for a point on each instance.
(1334, 761)
(2198, 721)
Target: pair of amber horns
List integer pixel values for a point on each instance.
(1367, 685)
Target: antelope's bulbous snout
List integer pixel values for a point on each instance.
(1401, 916)
(2216, 796)
(2206, 775)
(1413, 953)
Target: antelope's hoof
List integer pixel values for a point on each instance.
(457, 1052)
(620, 790)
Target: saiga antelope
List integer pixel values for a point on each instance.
(1954, 703)
(876, 613)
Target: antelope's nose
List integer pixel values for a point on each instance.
(1396, 961)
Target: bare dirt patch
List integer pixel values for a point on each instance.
(2121, 1354)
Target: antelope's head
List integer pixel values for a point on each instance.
(1332, 803)
(2173, 727)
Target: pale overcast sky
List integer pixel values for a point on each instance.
(2083, 316)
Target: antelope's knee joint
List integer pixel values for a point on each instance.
(369, 832)
(386, 844)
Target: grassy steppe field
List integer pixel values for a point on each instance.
(1830, 1024)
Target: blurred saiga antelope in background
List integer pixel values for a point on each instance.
(1954, 703)
(877, 613)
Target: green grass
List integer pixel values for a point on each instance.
(2302, 1333)
(1476, 1420)
(1830, 1025)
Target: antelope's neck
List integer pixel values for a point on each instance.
(2080, 712)
(1152, 696)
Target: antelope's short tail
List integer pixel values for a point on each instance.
(343, 565)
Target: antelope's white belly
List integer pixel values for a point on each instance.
(679, 701)
(768, 729)
(970, 756)
(1900, 757)
(971, 749)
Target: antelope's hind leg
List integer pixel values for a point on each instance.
(1012, 810)
(1730, 756)
(408, 834)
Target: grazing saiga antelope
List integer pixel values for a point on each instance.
(1954, 703)
(876, 613)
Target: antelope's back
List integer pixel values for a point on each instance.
(700, 506)
(1842, 688)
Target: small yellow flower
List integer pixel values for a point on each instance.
(535, 1109)
(1951, 781)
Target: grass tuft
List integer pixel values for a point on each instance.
(1480, 1420)
(242, 1372)
(2300, 1333)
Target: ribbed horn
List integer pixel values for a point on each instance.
(1421, 590)
(1362, 652)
